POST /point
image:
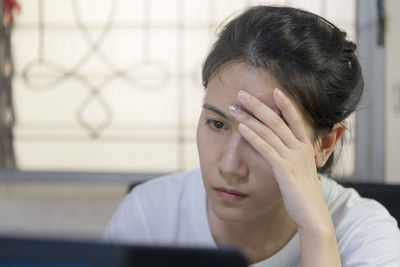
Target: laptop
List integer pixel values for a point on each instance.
(16, 252)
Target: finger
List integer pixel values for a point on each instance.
(269, 117)
(259, 128)
(262, 147)
(291, 115)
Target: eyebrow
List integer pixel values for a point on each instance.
(215, 110)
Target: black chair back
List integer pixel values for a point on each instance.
(387, 195)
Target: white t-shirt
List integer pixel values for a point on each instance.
(171, 210)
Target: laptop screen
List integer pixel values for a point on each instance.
(27, 264)
(56, 253)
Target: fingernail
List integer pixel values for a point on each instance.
(244, 96)
(279, 93)
(235, 109)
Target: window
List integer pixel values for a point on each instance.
(115, 85)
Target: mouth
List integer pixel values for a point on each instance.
(229, 195)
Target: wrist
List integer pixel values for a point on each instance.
(319, 246)
(318, 231)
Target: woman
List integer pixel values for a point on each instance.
(280, 83)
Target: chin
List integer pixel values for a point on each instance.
(232, 215)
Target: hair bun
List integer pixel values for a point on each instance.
(349, 47)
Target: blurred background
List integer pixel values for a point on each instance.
(96, 95)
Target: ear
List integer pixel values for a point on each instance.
(327, 144)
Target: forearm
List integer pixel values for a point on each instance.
(319, 247)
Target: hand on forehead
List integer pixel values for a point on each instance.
(225, 84)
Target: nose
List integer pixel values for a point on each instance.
(232, 165)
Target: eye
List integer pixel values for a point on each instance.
(216, 125)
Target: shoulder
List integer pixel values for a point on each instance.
(365, 231)
(162, 197)
(149, 212)
(345, 203)
(165, 185)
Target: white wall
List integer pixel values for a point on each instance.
(392, 107)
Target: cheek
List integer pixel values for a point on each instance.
(264, 183)
(207, 154)
(210, 147)
(204, 143)
(266, 193)
(200, 139)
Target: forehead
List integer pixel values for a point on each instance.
(225, 84)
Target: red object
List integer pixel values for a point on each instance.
(9, 6)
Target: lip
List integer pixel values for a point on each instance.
(230, 195)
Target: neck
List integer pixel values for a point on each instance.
(258, 238)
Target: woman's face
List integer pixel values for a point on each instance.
(240, 185)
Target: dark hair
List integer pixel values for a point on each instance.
(307, 54)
